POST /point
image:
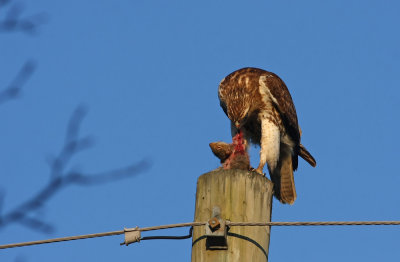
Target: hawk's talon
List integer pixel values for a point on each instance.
(257, 171)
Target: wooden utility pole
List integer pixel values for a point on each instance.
(237, 196)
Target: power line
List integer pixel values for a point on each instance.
(192, 224)
(105, 234)
(324, 223)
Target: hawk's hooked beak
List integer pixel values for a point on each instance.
(237, 124)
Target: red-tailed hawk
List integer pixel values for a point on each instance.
(259, 104)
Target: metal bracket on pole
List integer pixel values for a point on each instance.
(216, 231)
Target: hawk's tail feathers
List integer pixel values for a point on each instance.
(307, 156)
(283, 179)
(288, 189)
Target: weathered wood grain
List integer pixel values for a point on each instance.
(242, 196)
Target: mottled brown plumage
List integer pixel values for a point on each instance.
(258, 103)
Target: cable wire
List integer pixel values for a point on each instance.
(324, 223)
(193, 224)
(168, 237)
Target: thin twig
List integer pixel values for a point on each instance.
(61, 177)
(14, 89)
(14, 23)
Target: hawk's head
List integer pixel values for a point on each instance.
(236, 105)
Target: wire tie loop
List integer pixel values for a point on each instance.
(132, 235)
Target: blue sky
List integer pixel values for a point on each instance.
(148, 72)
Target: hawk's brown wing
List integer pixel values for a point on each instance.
(285, 106)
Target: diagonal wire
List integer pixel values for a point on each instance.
(192, 224)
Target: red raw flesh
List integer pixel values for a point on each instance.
(239, 154)
(238, 141)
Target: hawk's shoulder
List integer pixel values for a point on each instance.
(283, 102)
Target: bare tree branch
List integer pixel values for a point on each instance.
(72, 143)
(108, 176)
(37, 224)
(13, 21)
(14, 89)
(4, 2)
(60, 177)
